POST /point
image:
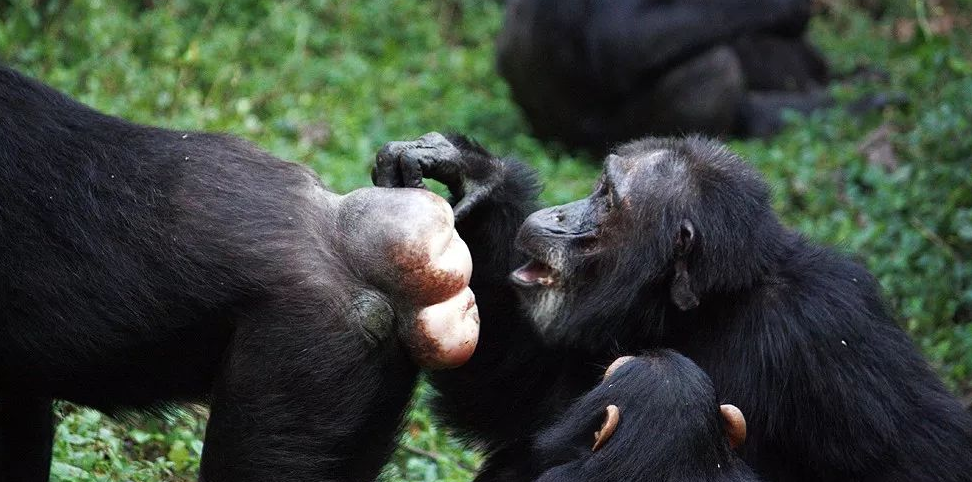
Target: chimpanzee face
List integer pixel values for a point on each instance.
(598, 251)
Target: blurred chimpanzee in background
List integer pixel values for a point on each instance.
(591, 74)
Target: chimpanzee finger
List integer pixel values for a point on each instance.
(386, 171)
(410, 167)
(440, 160)
(425, 157)
(374, 175)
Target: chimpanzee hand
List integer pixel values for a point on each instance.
(470, 176)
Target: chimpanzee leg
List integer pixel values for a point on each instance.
(761, 113)
(26, 434)
(305, 399)
(781, 73)
(772, 63)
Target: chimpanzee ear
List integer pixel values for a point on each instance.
(681, 289)
(684, 238)
(735, 425)
(612, 416)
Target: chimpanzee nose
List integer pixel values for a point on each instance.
(550, 220)
(563, 219)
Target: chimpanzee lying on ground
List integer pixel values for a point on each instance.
(652, 418)
(678, 247)
(592, 74)
(143, 267)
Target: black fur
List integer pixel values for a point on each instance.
(794, 334)
(144, 267)
(591, 74)
(670, 429)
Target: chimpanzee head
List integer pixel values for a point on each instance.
(403, 243)
(670, 223)
(653, 417)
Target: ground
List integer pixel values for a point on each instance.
(327, 82)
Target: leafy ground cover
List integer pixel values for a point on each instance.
(326, 82)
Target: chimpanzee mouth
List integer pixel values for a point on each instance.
(535, 273)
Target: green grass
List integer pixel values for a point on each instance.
(326, 83)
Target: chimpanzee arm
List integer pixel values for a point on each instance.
(626, 42)
(490, 222)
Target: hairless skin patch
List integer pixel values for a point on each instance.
(404, 242)
(432, 275)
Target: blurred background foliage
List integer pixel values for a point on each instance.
(326, 82)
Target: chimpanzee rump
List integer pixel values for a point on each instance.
(679, 247)
(143, 267)
(654, 417)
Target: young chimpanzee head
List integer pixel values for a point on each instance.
(670, 222)
(653, 417)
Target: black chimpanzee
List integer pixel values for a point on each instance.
(679, 247)
(652, 418)
(141, 267)
(591, 74)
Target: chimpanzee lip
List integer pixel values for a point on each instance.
(535, 273)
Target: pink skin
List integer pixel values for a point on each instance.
(404, 241)
(615, 365)
(452, 327)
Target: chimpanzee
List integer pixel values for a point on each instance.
(591, 74)
(679, 247)
(144, 267)
(653, 417)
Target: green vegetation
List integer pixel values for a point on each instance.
(327, 82)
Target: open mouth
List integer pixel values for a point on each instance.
(535, 273)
